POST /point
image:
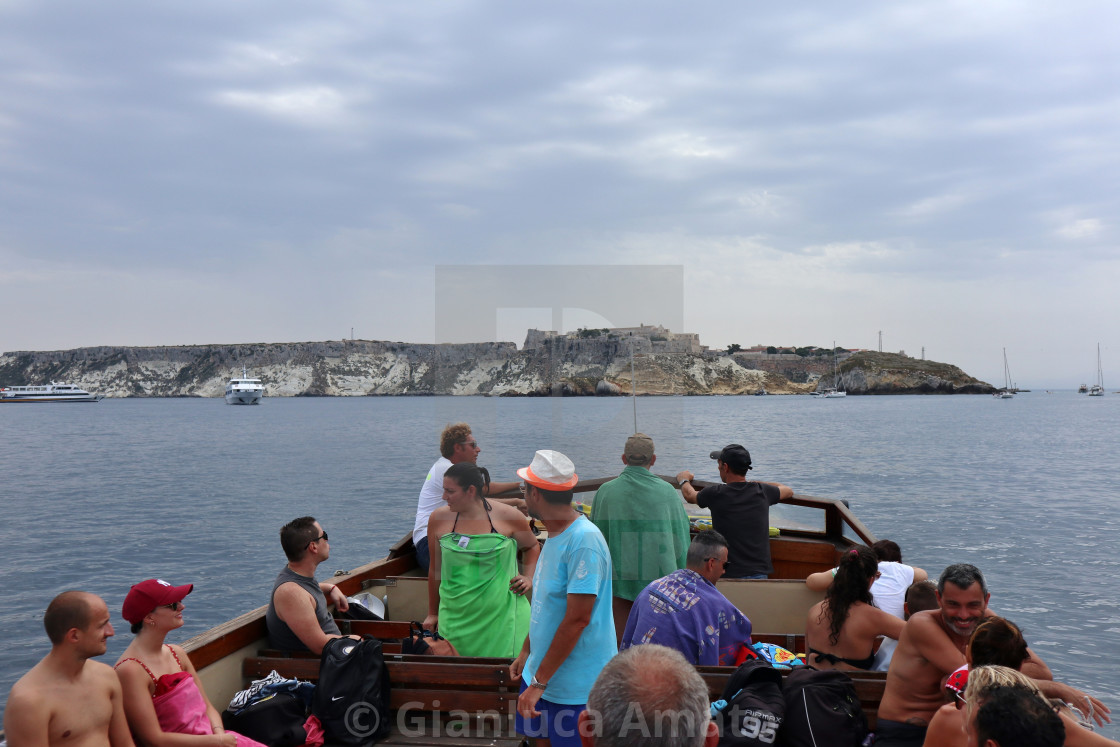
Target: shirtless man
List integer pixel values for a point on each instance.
(932, 646)
(67, 700)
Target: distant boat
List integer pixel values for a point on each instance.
(1097, 390)
(47, 393)
(1008, 390)
(1083, 389)
(834, 391)
(244, 391)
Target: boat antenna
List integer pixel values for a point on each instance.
(633, 385)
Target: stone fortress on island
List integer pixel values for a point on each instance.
(586, 362)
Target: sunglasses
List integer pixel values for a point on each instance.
(322, 536)
(724, 564)
(960, 702)
(174, 606)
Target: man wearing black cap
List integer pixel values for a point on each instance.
(740, 511)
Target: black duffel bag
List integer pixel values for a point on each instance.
(276, 720)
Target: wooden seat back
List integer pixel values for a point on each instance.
(431, 696)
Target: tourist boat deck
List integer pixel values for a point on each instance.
(461, 700)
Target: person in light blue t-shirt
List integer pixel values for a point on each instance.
(571, 628)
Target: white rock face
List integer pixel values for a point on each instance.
(354, 368)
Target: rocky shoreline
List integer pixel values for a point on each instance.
(355, 368)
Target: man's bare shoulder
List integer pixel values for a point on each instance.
(41, 693)
(919, 631)
(28, 711)
(926, 623)
(99, 674)
(29, 691)
(101, 671)
(41, 678)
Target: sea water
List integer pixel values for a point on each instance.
(100, 496)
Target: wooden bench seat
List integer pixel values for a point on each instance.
(476, 698)
(433, 698)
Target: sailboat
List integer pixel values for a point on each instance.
(1097, 390)
(834, 391)
(1008, 391)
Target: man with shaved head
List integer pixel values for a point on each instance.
(66, 699)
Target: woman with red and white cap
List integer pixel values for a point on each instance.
(163, 699)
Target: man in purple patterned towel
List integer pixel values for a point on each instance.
(686, 612)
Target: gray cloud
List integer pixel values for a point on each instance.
(941, 170)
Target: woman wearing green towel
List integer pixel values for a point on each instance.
(477, 595)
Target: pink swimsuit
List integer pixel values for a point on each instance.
(179, 705)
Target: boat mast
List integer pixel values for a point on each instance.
(633, 386)
(835, 374)
(1100, 371)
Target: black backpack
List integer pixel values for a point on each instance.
(752, 707)
(352, 697)
(822, 708)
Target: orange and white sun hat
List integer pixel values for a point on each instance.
(550, 470)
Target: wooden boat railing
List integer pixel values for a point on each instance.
(222, 640)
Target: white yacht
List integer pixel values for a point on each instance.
(47, 393)
(244, 391)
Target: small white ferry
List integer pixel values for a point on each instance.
(244, 391)
(47, 393)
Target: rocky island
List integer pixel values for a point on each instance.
(578, 363)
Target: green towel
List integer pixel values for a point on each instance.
(477, 611)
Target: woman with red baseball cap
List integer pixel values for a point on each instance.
(163, 699)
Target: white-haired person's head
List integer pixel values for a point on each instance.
(1005, 708)
(648, 695)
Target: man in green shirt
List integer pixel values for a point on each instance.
(645, 525)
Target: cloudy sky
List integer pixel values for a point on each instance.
(945, 172)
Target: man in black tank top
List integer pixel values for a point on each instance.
(297, 616)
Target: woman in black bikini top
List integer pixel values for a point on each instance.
(846, 624)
